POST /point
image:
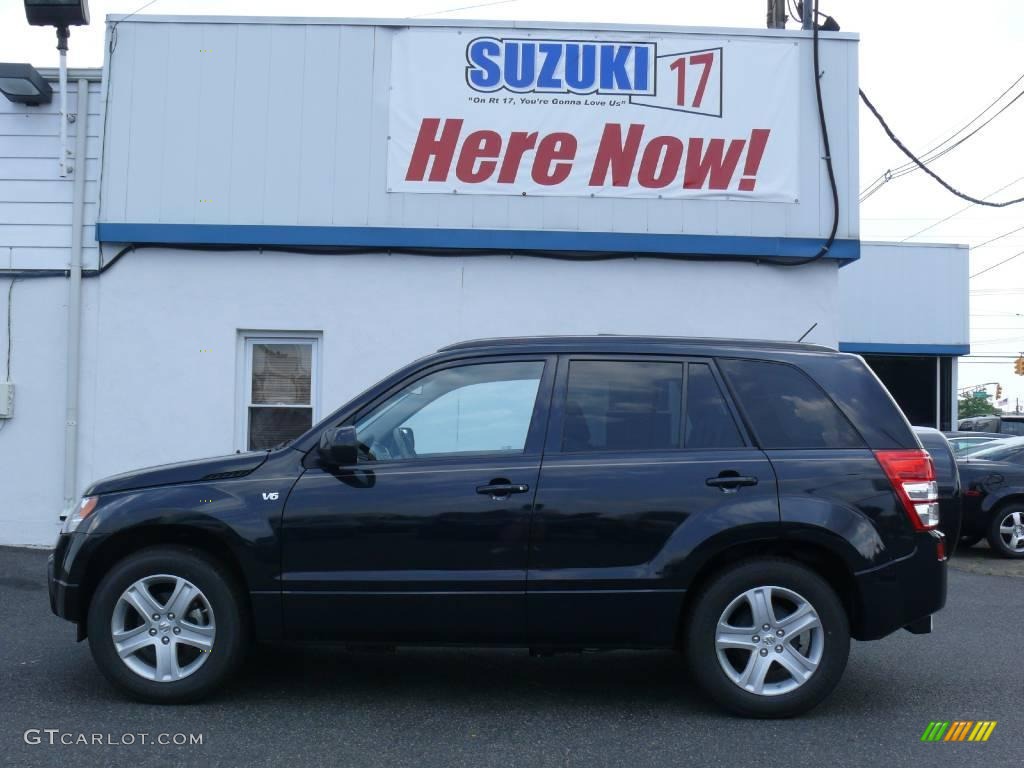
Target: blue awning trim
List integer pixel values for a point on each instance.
(731, 246)
(868, 348)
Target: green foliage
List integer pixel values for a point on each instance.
(975, 406)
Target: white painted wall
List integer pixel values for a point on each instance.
(906, 294)
(150, 396)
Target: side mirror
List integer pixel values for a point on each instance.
(339, 446)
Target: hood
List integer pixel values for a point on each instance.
(217, 468)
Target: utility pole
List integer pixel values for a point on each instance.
(807, 11)
(776, 14)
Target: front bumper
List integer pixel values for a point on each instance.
(903, 593)
(63, 580)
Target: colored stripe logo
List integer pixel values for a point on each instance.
(958, 730)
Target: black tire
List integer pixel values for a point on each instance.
(716, 596)
(995, 539)
(223, 596)
(966, 542)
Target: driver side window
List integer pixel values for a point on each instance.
(483, 408)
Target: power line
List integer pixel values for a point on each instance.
(462, 8)
(926, 169)
(939, 149)
(997, 264)
(961, 210)
(998, 237)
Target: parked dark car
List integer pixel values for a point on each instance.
(964, 443)
(947, 475)
(993, 486)
(752, 504)
(1008, 425)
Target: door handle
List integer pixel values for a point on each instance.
(501, 490)
(730, 483)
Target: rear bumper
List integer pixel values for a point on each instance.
(903, 593)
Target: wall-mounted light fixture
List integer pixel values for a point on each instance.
(22, 84)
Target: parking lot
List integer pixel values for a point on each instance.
(479, 708)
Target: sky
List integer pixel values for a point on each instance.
(929, 67)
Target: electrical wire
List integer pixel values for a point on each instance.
(828, 157)
(462, 8)
(997, 264)
(113, 29)
(949, 188)
(940, 148)
(961, 210)
(10, 329)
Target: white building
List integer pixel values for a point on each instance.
(285, 210)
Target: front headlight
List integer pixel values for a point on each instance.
(85, 509)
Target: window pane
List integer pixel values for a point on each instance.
(270, 426)
(786, 408)
(622, 406)
(282, 373)
(468, 409)
(1013, 427)
(708, 421)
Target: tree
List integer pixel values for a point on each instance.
(975, 406)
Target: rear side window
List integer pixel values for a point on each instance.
(1013, 427)
(709, 424)
(622, 406)
(786, 409)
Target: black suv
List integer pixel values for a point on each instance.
(753, 504)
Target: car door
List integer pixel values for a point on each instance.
(645, 463)
(425, 537)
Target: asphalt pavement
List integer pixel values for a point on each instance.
(481, 708)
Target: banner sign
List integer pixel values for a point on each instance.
(593, 115)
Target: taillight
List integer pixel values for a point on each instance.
(912, 475)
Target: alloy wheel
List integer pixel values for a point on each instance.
(1011, 531)
(163, 628)
(769, 640)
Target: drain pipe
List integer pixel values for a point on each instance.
(75, 300)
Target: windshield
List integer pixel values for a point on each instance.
(1002, 451)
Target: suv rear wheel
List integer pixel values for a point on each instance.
(768, 638)
(166, 626)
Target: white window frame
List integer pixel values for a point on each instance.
(243, 375)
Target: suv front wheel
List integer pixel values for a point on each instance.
(166, 625)
(768, 638)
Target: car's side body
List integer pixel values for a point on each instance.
(992, 483)
(592, 549)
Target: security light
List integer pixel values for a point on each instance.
(22, 84)
(57, 13)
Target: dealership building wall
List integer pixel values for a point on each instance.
(230, 214)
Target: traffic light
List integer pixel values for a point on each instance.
(1018, 366)
(999, 388)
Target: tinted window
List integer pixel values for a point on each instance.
(786, 409)
(709, 424)
(1011, 449)
(1013, 427)
(483, 408)
(622, 406)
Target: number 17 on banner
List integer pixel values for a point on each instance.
(687, 82)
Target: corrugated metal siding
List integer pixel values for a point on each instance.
(237, 122)
(35, 202)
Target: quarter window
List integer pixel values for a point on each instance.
(279, 386)
(484, 408)
(786, 409)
